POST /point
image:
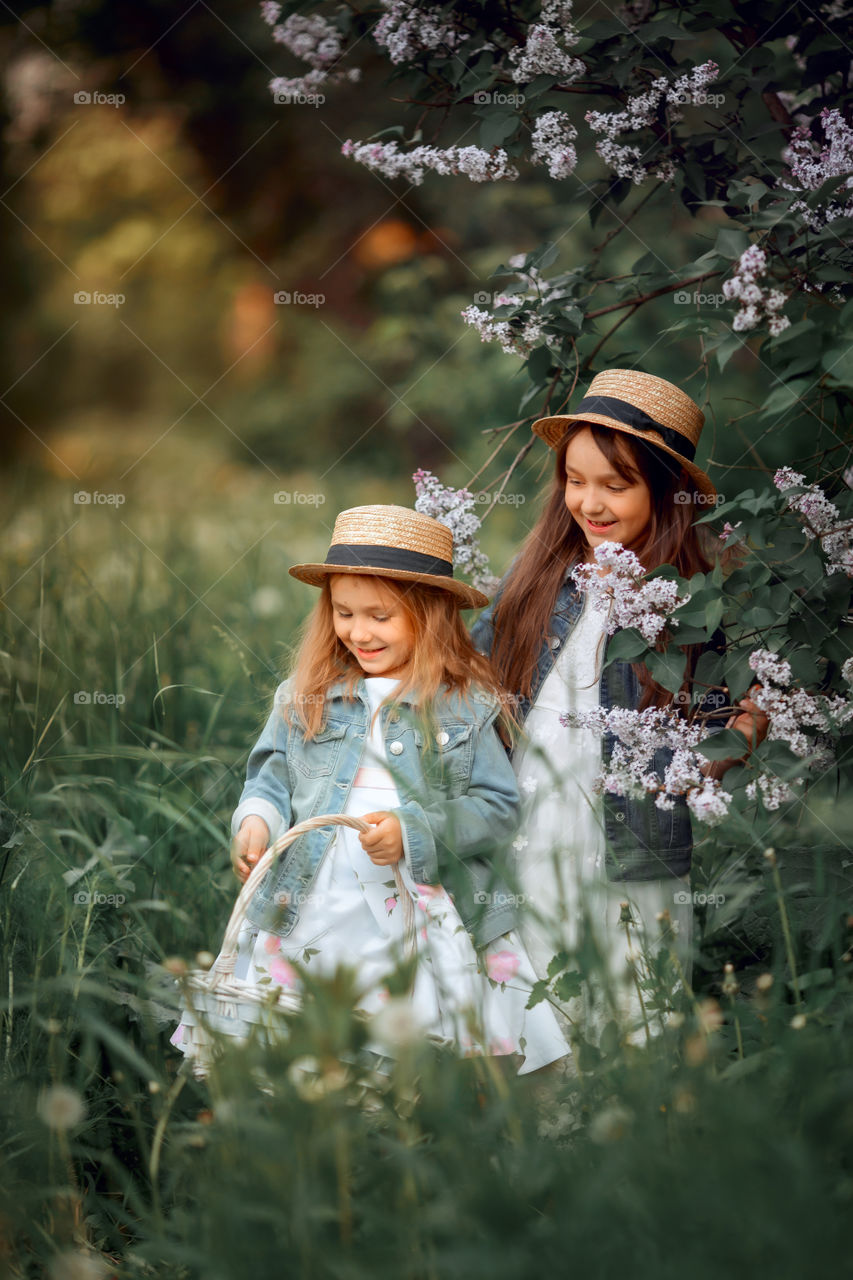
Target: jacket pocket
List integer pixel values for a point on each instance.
(319, 756)
(453, 746)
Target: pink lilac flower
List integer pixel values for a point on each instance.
(803, 721)
(502, 966)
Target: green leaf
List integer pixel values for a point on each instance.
(739, 674)
(725, 745)
(729, 345)
(625, 646)
(497, 128)
(539, 362)
(667, 668)
(731, 242)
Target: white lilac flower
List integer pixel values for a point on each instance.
(553, 143)
(803, 721)
(710, 802)
(517, 338)
(811, 166)
(641, 112)
(774, 792)
(546, 46)
(455, 509)
(823, 519)
(311, 39)
(624, 594)
(405, 30)
(759, 303)
(387, 158)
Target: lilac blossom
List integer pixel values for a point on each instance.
(812, 165)
(515, 338)
(631, 772)
(553, 143)
(758, 303)
(792, 712)
(823, 519)
(641, 112)
(405, 30)
(545, 49)
(625, 595)
(455, 509)
(387, 158)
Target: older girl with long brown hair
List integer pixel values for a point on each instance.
(625, 473)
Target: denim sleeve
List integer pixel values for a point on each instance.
(447, 831)
(483, 632)
(267, 789)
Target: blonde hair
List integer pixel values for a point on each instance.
(443, 659)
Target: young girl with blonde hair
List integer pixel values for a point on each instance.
(390, 716)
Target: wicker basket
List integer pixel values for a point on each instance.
(218, 1002)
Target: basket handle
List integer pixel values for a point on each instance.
(228, 956)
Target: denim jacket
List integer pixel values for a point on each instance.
(643, 841)
(459, 801)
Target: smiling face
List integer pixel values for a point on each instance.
(370, 621)
(606, 506)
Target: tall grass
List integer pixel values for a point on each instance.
(721, 1146)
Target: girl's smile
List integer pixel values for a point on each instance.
(607, 506)
(372, 625)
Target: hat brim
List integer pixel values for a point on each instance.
(552, 430)
(315, 574)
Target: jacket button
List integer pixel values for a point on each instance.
(554, 642)
(396, 748)
(442, 738)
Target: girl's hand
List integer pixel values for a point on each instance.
(250, 842)
(384, 844)
(753, 723)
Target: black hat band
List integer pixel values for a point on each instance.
(631, 416)
(364, 556)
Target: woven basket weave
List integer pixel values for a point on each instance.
(221, 1003)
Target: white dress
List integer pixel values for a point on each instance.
(352, 916)
(561, 850)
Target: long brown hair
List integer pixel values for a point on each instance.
(444, 659)
(556, 542)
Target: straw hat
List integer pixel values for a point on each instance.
(643, 406)
(392, 542)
